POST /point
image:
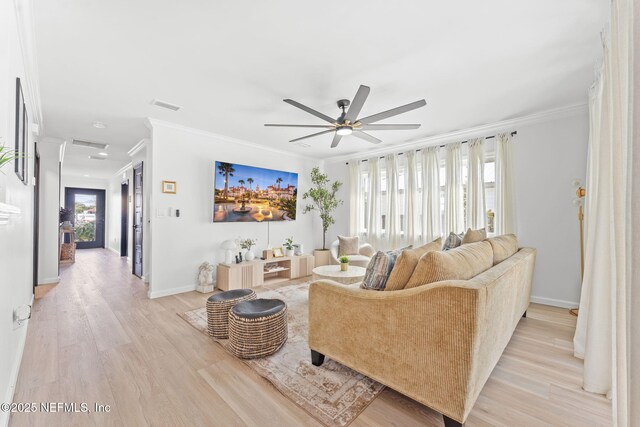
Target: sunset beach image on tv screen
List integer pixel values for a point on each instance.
(247, 193)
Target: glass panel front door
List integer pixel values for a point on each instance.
(87, 205)
(85, 208)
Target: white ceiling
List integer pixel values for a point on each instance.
(230, 64)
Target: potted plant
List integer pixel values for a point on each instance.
(323, 195)
(6, 155)
(66, 218)
(247, 244)
(344, 263)
(289, 246)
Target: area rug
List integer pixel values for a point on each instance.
(332, 393)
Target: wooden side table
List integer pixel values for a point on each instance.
(72, 246)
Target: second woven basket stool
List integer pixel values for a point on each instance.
(257, 328)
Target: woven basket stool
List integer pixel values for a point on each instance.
(257, 328)
(218, 307)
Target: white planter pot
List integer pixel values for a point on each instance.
(249, 256)
(289, 252)
(322, 257)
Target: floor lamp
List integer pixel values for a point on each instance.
(579, 202)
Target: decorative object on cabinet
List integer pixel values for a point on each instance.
(230, 247)
(247, 244)
(289, 246)
(277, 253)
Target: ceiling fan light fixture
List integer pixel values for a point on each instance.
(344, 130)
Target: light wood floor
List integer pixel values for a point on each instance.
(96, 337)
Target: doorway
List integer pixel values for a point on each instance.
(124, 218)
(137, 220)
(88, 207)
(36, 215)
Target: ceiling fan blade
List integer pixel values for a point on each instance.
(300, 126)
(336, 140)
(366, 137)
(390, 127)
(357, 103)
(312, 135)
(310, 110)
(393, 112)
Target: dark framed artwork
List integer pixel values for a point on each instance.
(22, 125)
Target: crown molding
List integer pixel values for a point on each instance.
(477, 131)
(24, 16)
(136, 148)
(123, 169)
(156, 122)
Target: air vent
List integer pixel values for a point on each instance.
(166, 105)
(95, 145)
(97, 158)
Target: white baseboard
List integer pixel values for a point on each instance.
(114, 251)
(13, 379)
(49, 281)
(554, 302)
(172, 291)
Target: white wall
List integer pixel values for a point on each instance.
(548, 156)
(114, 211)
(16, 237)
(49, 227)
(181, 244)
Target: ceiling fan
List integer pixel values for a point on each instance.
(348, 122)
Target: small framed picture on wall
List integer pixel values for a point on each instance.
(169, 187)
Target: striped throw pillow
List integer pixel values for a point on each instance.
(379, 269)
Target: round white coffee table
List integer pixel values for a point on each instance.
(354, 274)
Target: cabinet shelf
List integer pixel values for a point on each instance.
(250, 274)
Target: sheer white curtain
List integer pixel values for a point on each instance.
(431, 220)
(476, 207)
(355, 199)
(392, 214)
(453, 191)
(505, 219)
(374, 217)
(411, 205)
(607, 329)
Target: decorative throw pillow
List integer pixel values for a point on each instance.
(406, 263)
(503, 247)
(378, 270)
(453, 241)
(472, 236)
(461, 263)
(348, 245)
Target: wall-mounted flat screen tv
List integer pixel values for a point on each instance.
(247, 194)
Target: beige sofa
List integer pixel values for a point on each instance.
(435, 343)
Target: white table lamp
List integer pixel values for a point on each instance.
(230, 247)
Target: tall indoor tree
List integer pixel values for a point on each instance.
(323, 195)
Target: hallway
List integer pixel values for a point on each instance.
(97, 338)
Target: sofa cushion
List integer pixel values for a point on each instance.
(472, 236)
(453, 240)
(348, 245)
(406, 263)
(379, 269)
(503, 247)
(461, 263)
